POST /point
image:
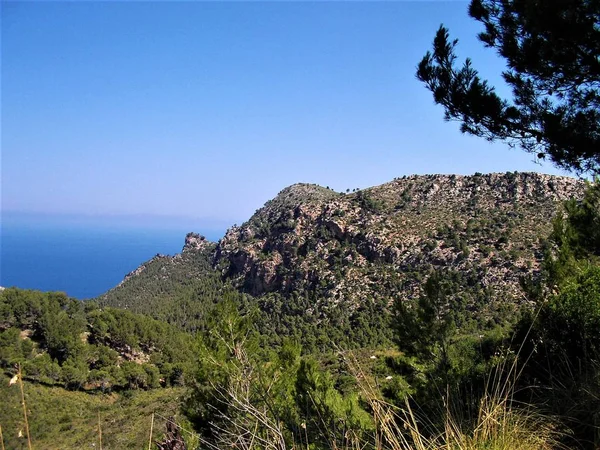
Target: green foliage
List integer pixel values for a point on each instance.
(60, 419)
(180, 291)
(562, 342)
(576, 235)
(61, 325)
(74, 373)
(227, 334)
(551, 53)
(240, 387)
(326, 411)
(320, 328)
(63, 341)
(423, 329)
(572, 317)
(369, 203)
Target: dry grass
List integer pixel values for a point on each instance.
(498, 423)
(501, 424)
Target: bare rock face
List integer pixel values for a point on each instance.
(379, 243)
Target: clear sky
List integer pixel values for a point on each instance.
(209, 109)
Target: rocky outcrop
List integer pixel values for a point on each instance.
(195, 242)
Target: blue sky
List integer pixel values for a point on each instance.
(207, 110)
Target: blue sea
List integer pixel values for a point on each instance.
(81, 260)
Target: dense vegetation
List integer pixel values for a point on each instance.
(61, 341)
(183, 290)
(179, 290)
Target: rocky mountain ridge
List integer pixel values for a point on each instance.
(347, 247)
(380, 244)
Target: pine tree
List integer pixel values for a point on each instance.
(551, 50)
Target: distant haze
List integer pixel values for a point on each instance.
(213, 229)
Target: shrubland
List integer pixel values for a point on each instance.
(441, 378)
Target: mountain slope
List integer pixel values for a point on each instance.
(178, 289)
(312, 256)
(380, 243)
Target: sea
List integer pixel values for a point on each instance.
(80, 259)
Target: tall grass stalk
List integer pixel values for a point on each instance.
(20, 380)
(99, 432)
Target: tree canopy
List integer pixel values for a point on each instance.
(553, 68)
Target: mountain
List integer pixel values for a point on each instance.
(312, 255)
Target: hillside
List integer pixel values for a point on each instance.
(412, 283)
(65, 342)
(380, 243)
(312, 255)
(82, 365)
(178, 289)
